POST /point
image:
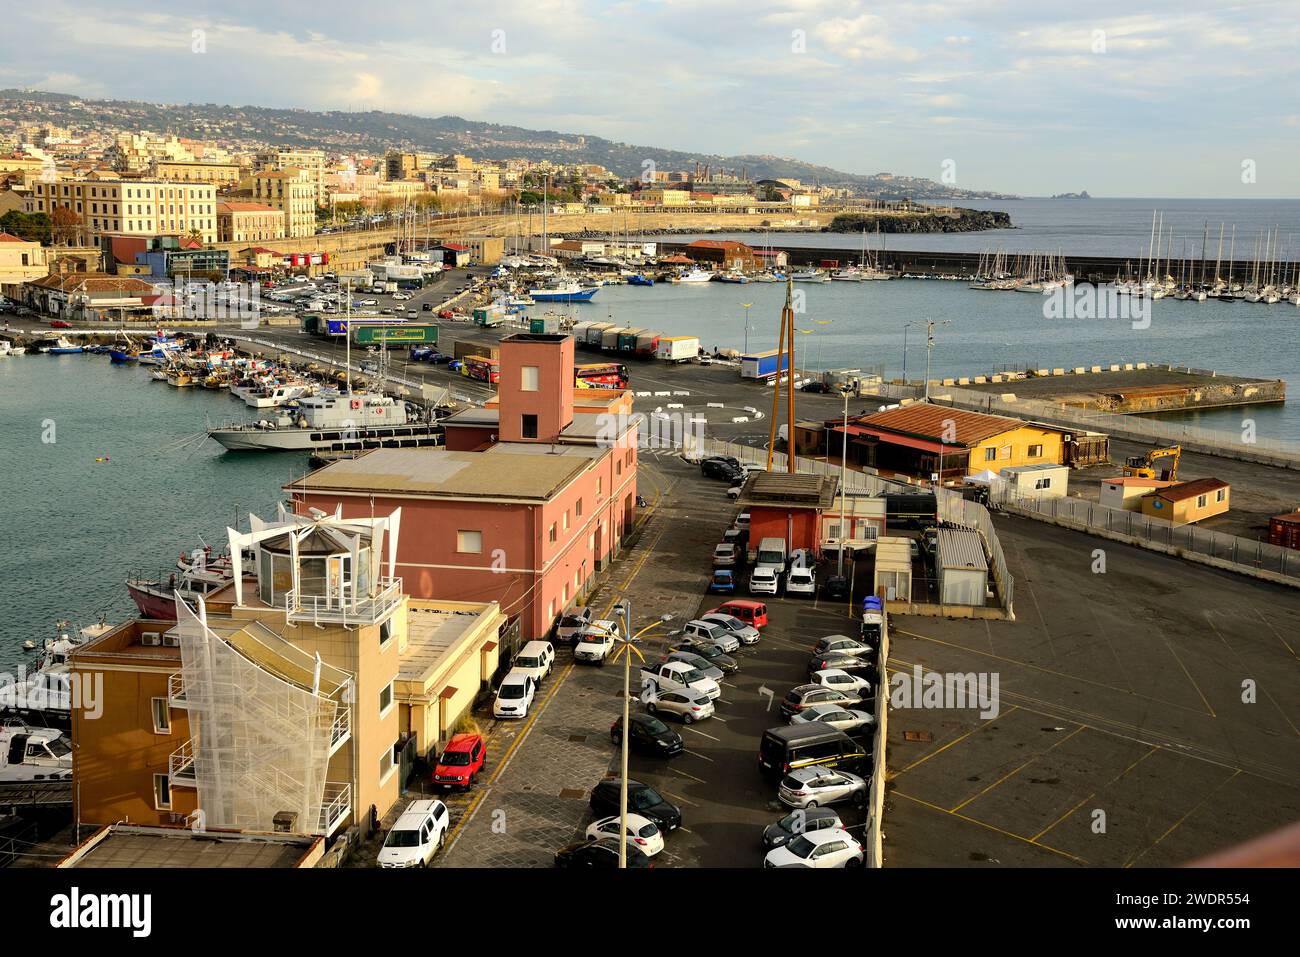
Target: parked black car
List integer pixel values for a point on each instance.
(722, 468)
(835, 588)
(649, 736)
(641, 798)
(709, 651)
(798, 822)
(601, 853)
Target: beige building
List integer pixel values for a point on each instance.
(291, 192)
(20, 260)
(131, 207)
(248, 222)
(185, 171)
(310, 162)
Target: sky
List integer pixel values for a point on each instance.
(1147, 98)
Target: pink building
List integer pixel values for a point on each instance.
(525, 520)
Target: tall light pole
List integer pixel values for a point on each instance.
(746, 306)
(624, 609)
(906, 326)
(929, 348)
(844, 460)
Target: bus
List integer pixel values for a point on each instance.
(481, 368)
(601, 375)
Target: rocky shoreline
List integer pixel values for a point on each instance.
(960, 220)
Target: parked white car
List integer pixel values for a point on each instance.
(801, 581)
(690, 706)
(747, 634)
(571, 623)
(401, 296)
(677, 675)
(515, 696)
(641, 831)
(713, 631)
(764, 580)
(817, 786)
(534, 659)
(846, 719)
(417, 835)
(828, 847)
(840, 680)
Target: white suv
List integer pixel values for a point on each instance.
(764, 580)
(534, 659)
(800, 581)
(515, 696)
(416, 836)
(827, 847)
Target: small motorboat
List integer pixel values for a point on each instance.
(64, 346)
(29, 645)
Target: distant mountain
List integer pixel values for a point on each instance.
(376, 131)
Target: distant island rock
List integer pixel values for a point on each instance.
(955, 220)
(1082, 194)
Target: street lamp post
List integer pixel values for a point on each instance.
(746, 306)
(844, 460)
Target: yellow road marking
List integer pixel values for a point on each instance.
(990, 827)
(1153, 750)
(1009, 774)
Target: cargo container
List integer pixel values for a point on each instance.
(678, 348)
(764, 365)
(579, 332)
(1284, 530)
(609, 338)
(544, 326)
(627, 338)
(464, 348)
(647, 343)
(396, 337)
(596, 333)
(489, 316)
(893, 569)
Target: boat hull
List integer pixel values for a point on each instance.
(582, 295)
(307, 440)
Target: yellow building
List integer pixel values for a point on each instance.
(310, 162)
(665, 197)
(291, 192)
(197, 171)
(131, 207)
(1188, 502)
(285, 700)
(239, 222)
(924, 440)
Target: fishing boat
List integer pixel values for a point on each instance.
(562, 291)
(7, 348)
(636, 279)
(63, 346)
(196, 576)
(277, 394)
(733, 277)
(810, 275)
(848, 274)
(695, 275)
(334, 422)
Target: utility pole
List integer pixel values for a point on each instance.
(746, 306)
(929, 348)
(844, 460)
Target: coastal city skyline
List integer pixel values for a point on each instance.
(1104, 102)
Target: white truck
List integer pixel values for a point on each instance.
(676, 675)
(678, 348)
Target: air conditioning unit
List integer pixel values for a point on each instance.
(151, 639)
(171, 640)
(285, 822)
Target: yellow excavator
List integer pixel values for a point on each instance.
(1144, 466)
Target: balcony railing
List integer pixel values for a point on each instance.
(176, 691)
(341, 729)
(180, 766)
(342, 608)
(335, 808)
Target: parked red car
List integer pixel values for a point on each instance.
(60, 324)
(750, 612)
(461, 761)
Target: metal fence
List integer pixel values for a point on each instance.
(1184, 540)
(950, 507)
(876, 803)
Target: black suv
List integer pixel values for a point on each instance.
(649, 735)
(641, 798)
(722, 467)
(835, 588)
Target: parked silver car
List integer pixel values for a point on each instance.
(815, 787)
(845, 719)
(699, 664)
(747, 634)
(684, 703)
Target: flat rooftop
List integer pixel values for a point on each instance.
(433, 632)
(148, 847)
(439, 473)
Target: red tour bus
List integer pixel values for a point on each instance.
(601, 375)
(481, 368)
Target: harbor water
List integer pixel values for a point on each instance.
(107, 473)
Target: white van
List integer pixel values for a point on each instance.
(417, 835)
(535, 659)
(771, 554)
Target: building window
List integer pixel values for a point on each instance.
(469, 542)
(1035, 451)
(990, 454)
(385, 699)
(566, 519)
(162, 716)
(577, 508)
(1043, 483)
(162, 793)
(1200, 501)
(385, 765)
(385, 633)
(551, 536)
(618, 468)
(529, 426)
(1220, 495)
(529, 379)
(600, 482)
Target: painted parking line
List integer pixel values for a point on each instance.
(678, 797)
(697, 754)
(691, 776)
(702, 734)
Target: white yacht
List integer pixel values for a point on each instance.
(810, 275)
(34, 754)
(274, 396)
(695, 275)
(334, 422)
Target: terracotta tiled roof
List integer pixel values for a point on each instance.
(938, 422)
(95, 282)
(1185, 490)
(241, 207)
(11, 238)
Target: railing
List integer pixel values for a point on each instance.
(1242, 555)
(176, 691)
(335, 808)
(343, 608)
(341, 730)
(180, 765)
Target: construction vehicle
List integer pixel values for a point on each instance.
(1144, 466)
